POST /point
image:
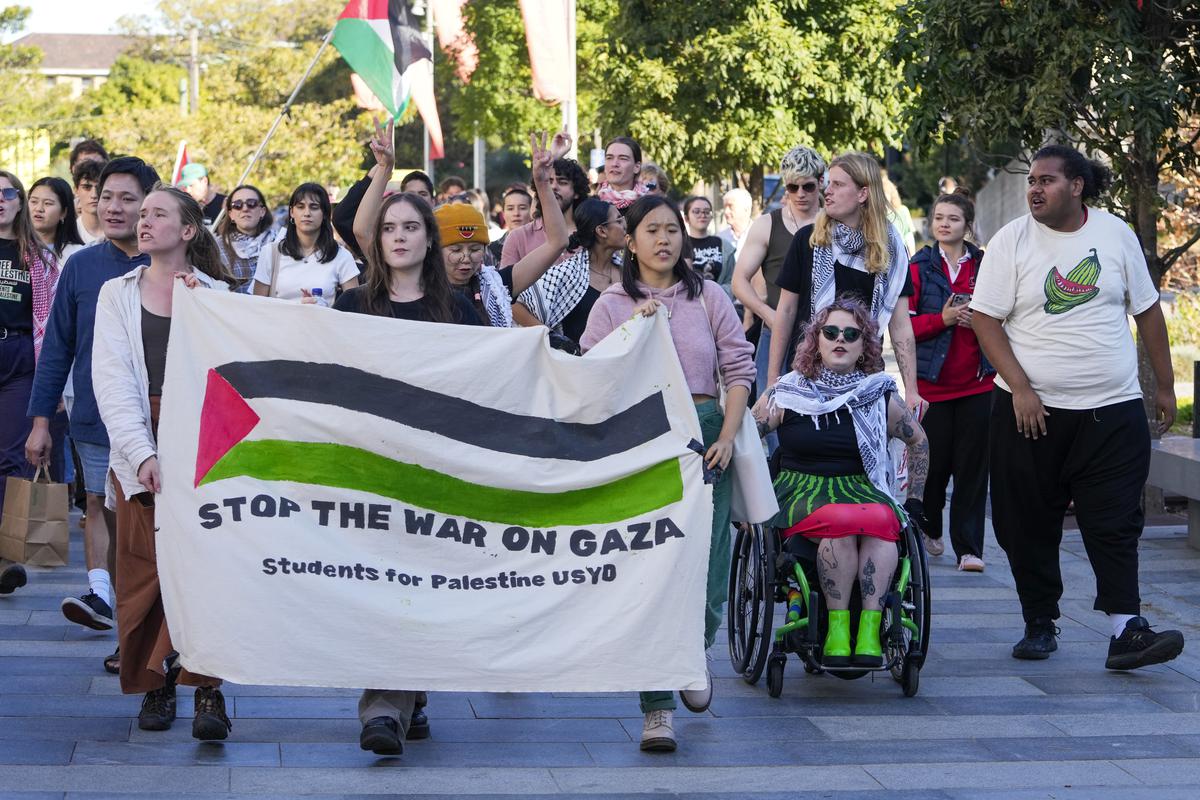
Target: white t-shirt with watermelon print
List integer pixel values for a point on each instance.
(1064, 300)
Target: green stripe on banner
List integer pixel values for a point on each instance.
(361, 470)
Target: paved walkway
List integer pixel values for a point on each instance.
(983, 725)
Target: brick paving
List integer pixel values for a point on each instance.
(983, 725)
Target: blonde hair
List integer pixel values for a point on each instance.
(864, 171)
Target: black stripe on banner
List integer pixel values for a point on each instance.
(452, 417)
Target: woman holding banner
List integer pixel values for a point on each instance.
(712, 350)
(133, 321)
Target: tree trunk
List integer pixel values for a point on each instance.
(756, 187)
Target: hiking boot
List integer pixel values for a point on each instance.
(836, 652)
(934, 547)
(418, 726)
(158, 709)
(12, 577)
(1139, 646)
(90, 611)
(658, 731)
(381, 735)
(868, 650)
(211, 723)
(697, 701)
(1039, 640)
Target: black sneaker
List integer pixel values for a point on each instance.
(158, 709)
(381, 736)
(1039, 640)
(211, 723)
(12, 578)
(1139, 646)
(418, 726)
(89, 611)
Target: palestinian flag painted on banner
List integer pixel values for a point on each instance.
(228, 418)
(382, 42)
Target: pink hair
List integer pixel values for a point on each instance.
(808, 352)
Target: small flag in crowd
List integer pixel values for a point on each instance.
(381, 42)
(181, 161)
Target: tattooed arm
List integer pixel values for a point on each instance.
(902, 426)
(904, 345)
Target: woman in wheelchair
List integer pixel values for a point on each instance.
(834, 413)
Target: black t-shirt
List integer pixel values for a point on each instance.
(353, 300)
(575, 322)
(830, 450)
(796, 276)
(212, 209)
(706, 256)
(16, 294)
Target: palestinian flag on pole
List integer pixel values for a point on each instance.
(381, 41)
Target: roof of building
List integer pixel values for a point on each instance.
(77, 51)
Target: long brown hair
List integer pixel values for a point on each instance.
(227, 227)
(876, 229)
(203, 252)
(439, 296)
(28, 242)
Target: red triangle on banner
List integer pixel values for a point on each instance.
(225, 420)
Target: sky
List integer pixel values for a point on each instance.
(80, 16)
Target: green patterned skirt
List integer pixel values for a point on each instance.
(800, 494)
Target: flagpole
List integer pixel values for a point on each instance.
(424, 126)
(570, 108)
(279, 119)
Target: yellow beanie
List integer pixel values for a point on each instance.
(460, 223)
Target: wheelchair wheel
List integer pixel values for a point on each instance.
(751, 601)
(922, 594)
(910, 678)
(775, 669)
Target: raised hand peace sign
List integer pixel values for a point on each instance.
(382, 146)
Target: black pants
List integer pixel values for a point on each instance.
(1100, 458)
(958, 446)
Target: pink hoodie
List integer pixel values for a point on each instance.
(698, 353)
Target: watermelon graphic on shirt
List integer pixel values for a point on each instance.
(1078, 287)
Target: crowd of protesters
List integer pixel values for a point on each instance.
(1004, 368)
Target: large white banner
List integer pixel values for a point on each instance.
(365, 502)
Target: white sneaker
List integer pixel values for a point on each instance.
(658, 732)
(934, 547)
(697, 701)
(970, 563)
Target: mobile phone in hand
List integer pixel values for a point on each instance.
(959, 298)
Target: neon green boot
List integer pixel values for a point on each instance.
(867, 650)
(837, 641)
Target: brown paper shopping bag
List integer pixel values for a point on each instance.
(35, 528)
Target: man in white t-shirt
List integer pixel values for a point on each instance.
(1068, 423)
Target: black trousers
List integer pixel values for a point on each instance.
(1100, 458)
(958, 446)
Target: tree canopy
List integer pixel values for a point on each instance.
(1118, 79)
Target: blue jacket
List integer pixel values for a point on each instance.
(935, 291)
(68, 340)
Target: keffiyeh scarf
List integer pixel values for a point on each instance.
(557, 292)
(849, 249)
(43, 280)
(621, 198)
(864, 396)
(496, 300)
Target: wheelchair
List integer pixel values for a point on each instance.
(767, 571)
